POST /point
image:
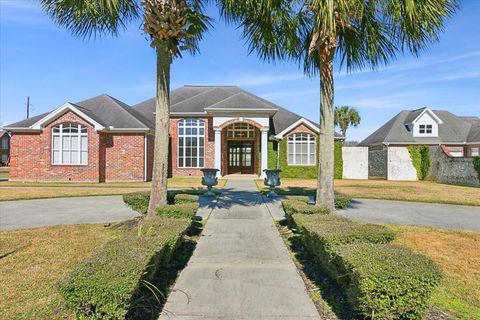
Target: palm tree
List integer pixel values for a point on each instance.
(172, 25)
(356, 33)
(346, 116)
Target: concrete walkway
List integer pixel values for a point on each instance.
(47, 212)
(241, 268)
(415, 213)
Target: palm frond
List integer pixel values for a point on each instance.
(87, 18)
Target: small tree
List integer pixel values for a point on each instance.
(346, 116)
(173, 26)
(357, 33)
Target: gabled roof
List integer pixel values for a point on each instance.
(451, 129)
(191, 100)
(103, 111)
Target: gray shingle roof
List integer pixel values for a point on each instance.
(104, 109)
(195, 99)
(453, 130)
(109, 111)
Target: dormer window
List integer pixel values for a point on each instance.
(425, 123)
(425, 129)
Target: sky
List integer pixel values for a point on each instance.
(43, 61)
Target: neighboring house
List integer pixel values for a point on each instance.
(459, 136)
(4, 147)
(104, 139)
(455, 137)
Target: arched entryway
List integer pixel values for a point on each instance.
(241, 148)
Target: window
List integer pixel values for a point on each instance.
(301, 149)
(69, 144)
(191, 143)
(240, 131)
(425, 129)
(475, 151)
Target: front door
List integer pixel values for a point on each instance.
(240, 157)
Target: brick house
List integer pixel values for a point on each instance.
(104, 139)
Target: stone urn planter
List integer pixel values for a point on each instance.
(272, 180)
(209, 180)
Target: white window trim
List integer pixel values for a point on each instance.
(62, 110)
(184, 136)
(60, 134)
(309, 143)
(296, 124)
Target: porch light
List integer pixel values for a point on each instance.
(209, 180)
(272, 180)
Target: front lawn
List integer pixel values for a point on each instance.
(33, 260)
(421, 191)
(458, 255)
(13, 190)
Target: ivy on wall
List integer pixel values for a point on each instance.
(420, 156)
(476, 165)
(303, 172)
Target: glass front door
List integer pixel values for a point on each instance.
(240, 157)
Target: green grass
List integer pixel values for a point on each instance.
(13, 190)
(33, 260)
(418, 191)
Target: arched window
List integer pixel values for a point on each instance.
(69, 144)
(191, 143)
(301, 149)
(240, 130)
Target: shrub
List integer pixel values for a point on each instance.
(322, 234)
(382, 281)
(185, 198)
(181, 210)
(292, 207)
(342, 201)
(420, 156)
(386, 281)
(138, 201)
(105, 284)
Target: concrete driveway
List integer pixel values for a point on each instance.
(47, 212)
(415, 213)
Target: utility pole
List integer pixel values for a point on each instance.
(28, 107)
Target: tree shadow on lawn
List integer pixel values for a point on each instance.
(330, 292)
(151, 300)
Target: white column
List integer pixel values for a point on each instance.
(218, 151)
(264, 161)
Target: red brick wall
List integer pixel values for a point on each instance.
(301, 129)
(209, 148)
(124, 156)
(111, 157)
(31, 155)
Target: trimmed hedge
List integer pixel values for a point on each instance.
(387, 281)
(185, 198)
(297, 206)
(179, 210)
(104, 285)
(138, 201)
(381, 281)
(341, 201)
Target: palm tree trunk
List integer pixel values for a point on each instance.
(325, 195)
(158, 194)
